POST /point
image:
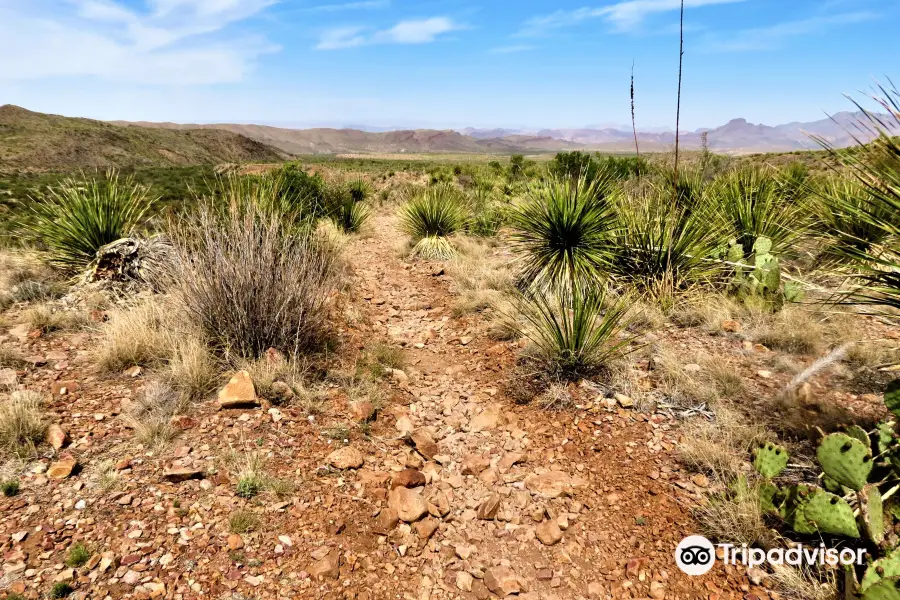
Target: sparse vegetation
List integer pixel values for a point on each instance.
(78, 555)
(430, 218)
(22, 422)
(77, 218)
(61, 589)
(9, 487)
(242, 521)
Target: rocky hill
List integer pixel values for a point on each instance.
(36, 141)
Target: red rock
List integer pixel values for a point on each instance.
(408, 478)
(239, 392)
(56, 436)
(178, 474)
(329, 566)
(487, 510)
(385, 522)
(62, 468)
(502, 581)
(235, 542)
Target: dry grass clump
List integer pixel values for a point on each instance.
(250, 470)
(191, 369)
(275, 378)
(804, 583)
(22, 422)
(792, 330)
(737, 519)
(252, 279)
(242, 521)
(24, 278)
(49, 319)
(719, 447)
(10, 358)
(141, 335)
(482, 279)
(707, 311)
(556, 397)
(152, 413)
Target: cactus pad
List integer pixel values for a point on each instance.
(831, 485)
(892, 397)
(826, 513)
(762, 245)
(845, 459)
(885, 568)
(885, 432)
(855, 431)
(886, 589)
(770, 460)
(768, 497)
(871, 513)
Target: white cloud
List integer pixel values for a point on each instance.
(413, 31)
(768, 38)
(364, 4)
(177, 42)
(623, 15)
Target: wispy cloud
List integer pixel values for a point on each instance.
(623, 15)
(168, 42)
(772, 37)
(414, 31)
(364, 5)
(511, 49)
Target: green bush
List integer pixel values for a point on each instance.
(751, 206)
(563, 228)
(574, 331)
(430, 217)
(76, 218)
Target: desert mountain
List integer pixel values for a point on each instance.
(32, 140)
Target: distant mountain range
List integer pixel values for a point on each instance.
(737, 137)
(31, 140)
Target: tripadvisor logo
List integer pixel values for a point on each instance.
(695, 555)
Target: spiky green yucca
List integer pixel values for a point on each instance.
(563, 229)
(350, 216)
(430, 217)
(749, 203)
(572, 330)
(359, 189)
(77, 218)
(875, 166)
(849, 216)
(659, 242)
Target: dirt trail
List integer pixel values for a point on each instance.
(553, 505)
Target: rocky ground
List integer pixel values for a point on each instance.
(454, 491)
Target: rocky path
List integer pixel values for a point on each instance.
(516, 500)
(455, 492)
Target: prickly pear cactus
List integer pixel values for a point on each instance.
(770, 460)
(885, 436)
(827, 513)
(871, 513)
(885, 568)
(892, 397)
(768, 498)
(886, 589)
(855, 431)
(845, 459)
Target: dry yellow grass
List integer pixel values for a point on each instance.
(49, 319)
(141, 335)
(22, 422)
(719, 447)
(792, 330)
(151, 415)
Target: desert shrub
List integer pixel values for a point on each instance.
(875, 167)
(563, 229)
(78, 555)
(660, 243)
(346, 212)
(750, 205)
(242, 521)
(22, 422)
(75, 219)
(9, 487)
(850, 219)
(61, 589)
(573, 330)
(430, 217)
(487, 214)
(252, 280)
(302, 190)
(49, 319)
(583, 165)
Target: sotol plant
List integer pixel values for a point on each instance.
(563, 229)
(430, 218)
(77, 218)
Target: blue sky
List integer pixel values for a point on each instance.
(442, 63)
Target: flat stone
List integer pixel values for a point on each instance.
(347, 457)
(178, 474)
(386, 520)
(624, 401)
(511, 458)
(409, 504)
(235, 542)
(239, 392)
(438, 504)
(464, 581)
(408, 478)
(502, 581)
(426, 528)
(548, 532)
(487, 419)
(474, 464)
(62, 468)
(362, 410)
(424, 443)
(553, 484)
(328, 566)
